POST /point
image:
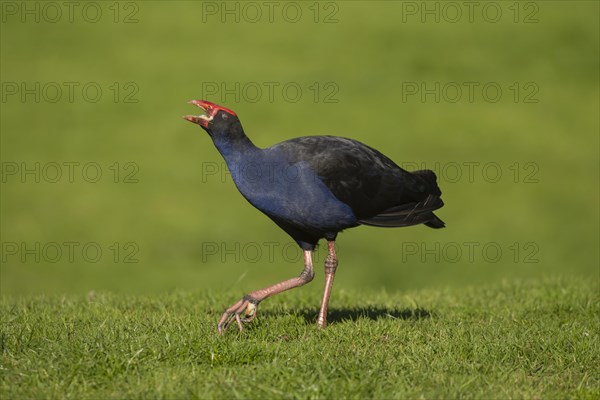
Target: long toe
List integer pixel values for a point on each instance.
(243, 308)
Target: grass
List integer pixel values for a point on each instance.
(519, 339)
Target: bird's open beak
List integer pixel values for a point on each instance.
(209, 112)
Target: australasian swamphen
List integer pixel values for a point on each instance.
(314, 187)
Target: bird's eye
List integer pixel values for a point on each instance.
(224, 116)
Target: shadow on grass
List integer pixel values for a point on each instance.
(373, 313)
(355, 313)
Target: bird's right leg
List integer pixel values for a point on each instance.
(245, 309)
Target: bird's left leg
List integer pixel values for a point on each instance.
(331, 263)
(248, 304)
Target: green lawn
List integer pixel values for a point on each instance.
(534, 340)
(502, 303)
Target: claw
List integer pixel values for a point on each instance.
(242, 311)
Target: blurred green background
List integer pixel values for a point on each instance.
(189, 229)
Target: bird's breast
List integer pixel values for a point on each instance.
(292, 193)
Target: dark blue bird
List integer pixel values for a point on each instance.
(313, 188)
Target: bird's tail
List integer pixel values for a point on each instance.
(419, 212)
(409, 214)
(430, 179)
(435, 222)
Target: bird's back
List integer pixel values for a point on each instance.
(377, 190)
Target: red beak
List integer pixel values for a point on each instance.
(210, 109)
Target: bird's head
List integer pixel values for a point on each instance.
(216, 119)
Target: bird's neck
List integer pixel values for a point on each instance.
(235, 147)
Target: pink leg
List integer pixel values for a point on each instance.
(331, 263)
(249, 303)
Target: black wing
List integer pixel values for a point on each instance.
(378, 191)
